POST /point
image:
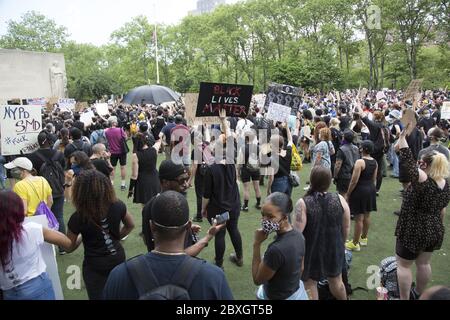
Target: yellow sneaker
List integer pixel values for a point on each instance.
(363, 242)
(349, 245)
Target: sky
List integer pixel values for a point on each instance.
(93, 21)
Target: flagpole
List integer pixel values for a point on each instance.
(156, 55)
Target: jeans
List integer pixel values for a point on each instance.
(394, 160)
(300, 294)
(39, 288)
(282, 184)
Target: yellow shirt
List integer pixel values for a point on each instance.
(33, 190)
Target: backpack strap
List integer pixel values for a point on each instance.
(186, 272)
(139, 269)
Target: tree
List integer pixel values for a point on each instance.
(34, 32)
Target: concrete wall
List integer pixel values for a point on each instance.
(26, 74)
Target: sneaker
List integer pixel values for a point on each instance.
(258, 207)
(349, 245)
(123, 188)
(234, 259)
(397, 213)
(306, 188)
(124, 238)
(62, 252)
(244, 209)
(363, 242)
(198, 219)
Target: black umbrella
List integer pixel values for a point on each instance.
(153, 94)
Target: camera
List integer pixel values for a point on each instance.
(223, 218)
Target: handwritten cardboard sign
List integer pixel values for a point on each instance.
(380, 95)
(213, 97)
(80, 106)
(445, 110)
(278, 112)
(37, 102)
(285, 95)
(409, 116)
(412, 90)
(190, 103)
(86, 118)
(66, 104)
(20, 128)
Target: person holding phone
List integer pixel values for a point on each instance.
(278, 274)
(221, 194)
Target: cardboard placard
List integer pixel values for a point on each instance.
(380, 95)
(81, 106)
(285, 95)
(445, 110)
(190, 103)
(362, 94)
(409, 116)
(66, 104)
(20, 128)
(278, 112)
(412, 90)
(37, 102)
(49, 255)
(213, 97)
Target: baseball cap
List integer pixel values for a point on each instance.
(21, 162)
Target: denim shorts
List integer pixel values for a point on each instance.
(39, 288)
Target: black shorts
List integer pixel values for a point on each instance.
(406, 254)
(247, 175)
(342, 185)
(119, 157)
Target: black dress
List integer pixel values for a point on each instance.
(364, 197)
(147, 184)
(325, 250)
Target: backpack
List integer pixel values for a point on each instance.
(53, 172)
(388, 277)
(148, 286)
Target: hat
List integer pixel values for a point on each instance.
(395, 114)
(169, 170)
(22, 162)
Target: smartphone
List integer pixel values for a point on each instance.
(223, 218)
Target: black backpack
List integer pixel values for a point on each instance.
(382, 143)
(53, 172)
(148, 286)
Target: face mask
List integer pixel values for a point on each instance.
(270, 226)
(16, 173)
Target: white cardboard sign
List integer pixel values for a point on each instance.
(278, 112)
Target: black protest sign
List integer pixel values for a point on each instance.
(285, 95)
(213, 97)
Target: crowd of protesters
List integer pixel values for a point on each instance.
(350, 141)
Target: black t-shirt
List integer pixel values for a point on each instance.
(77, 145)
(426, 124)
(101, 241)
(147, 232)
(48, 154)
(284, 256)
(102, 166)
(221, 187)
(285, 164)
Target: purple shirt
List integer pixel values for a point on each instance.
(115, 137)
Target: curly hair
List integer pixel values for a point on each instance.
(92, 195)
(11, 217)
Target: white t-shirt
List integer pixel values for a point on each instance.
(26, 262)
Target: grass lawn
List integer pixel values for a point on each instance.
(381, 242)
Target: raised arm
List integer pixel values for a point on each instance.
(299, 216)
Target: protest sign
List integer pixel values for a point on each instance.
(37, 102)
(362, 94)
(86, 118)
(409, 116)
(285, 95)
(102, 109)
(213, 97)
(278, 112)
(445, 110)
(380, 95)
(80, 106)
(66, 104)
(412, 90)
(49, 256)
(190, 103)
(20, 126)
